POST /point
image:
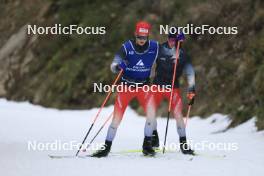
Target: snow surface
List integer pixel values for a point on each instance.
(23, 122)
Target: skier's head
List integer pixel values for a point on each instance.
(172, 38)
(142, 32)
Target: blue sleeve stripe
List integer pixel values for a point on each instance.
(125, 48)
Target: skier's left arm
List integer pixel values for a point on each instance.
(190, 74)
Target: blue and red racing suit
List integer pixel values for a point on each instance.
(139, 61)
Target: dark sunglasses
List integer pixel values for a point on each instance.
(172, 39)
(142, 37)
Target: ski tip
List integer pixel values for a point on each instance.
(149, 155)
(210, 155)
(63, 156)
(191, 159)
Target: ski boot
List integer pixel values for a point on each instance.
(155, 139)
(104, 151)
(185, 149)
(147, 147)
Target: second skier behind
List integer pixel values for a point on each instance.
(163, 76)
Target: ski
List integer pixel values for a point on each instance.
(210, 155)
(65, 156)
(176, 151)
(136, 151)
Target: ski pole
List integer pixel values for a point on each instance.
(171, 94)
(95, 118)
(109, 117)
(188, 111)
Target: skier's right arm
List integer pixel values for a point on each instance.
(119, 60)
(190, 73)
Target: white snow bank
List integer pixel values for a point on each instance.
(23, 122)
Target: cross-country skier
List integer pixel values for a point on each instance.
(163, 76)
(136, 58)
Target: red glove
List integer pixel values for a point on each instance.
(190, 96)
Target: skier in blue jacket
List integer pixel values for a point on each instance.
(135, 58)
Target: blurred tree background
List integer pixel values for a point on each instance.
(59, 71)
